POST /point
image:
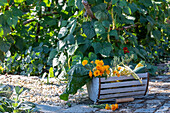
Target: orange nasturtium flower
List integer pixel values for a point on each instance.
(106, 67)
(84, 62)
(99, 62)
(107, 107)
(115, 71)
(113, 107)
(96, 73)
(90, 74)
(119, 68)
(99, 67)
(116, 105)
(108, 72)
(92, 62)
(118, 74)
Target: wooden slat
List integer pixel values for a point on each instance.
(126, 83)
(122, 94)
(141, 75)
(138, 88)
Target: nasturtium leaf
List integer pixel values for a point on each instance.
(63, 23)
(51, 22)
(52, 54)
(92, 56)
(105, 52)
(10, 39)
(100, 7)
(71, 49)
(99, 28)
(108, 0)
(106, 23)
(147, 3)
(117, 9)
(138, 52)
(19, 43)
(114, 2)
(2, 55)
(127, 10)
(157, 34)
(4, 45)
(79, 4)
(91, 1)
(100, 15)
(63, 32)
(143, 19)
(12, 21)
(76, 59)
(88, 29)
(73, 27)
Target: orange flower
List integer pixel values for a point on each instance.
(96, 73)
(99, 67)
(115, 71)
(84, 62)
(92, 62)
(119, 68)
(107, 107)
(99, 62)
(108, 72)
(118, 74)
(106, 67)
(113, 107)
(90, 74)
(116, 105)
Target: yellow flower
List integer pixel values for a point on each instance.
(90, 74)
(99, 62)
(116, 105)
(107, 107)
(92, 62)
(106, 67)
(113, 107)
(1, 68)
(96, 73)
(99, 67)
(84, 62)
(108, 72)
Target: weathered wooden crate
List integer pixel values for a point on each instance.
(102, 90)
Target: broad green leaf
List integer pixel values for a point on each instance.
(12, 21)
(97, 47)
(100, 15)
(73, 26)
(2, 55)
(133, 7)
(92, 56)
(106, 23)
(99, 28)
(122, 3)
(106, 49)
(72, 49)
(70, 39)
(114, 33)
(149, 18)
(16, 12)
(88, 30)
(51, 22)
(79, 4)
(100, 7)
(3, 2)
(147, 3)
(63, 23)
(157, 34)
(4, 45)
(10, 39)
(127, 10)
(117, 9)
(138, 52)
(91, 1)
(71, 2)
(19, 43)
(51, 72)
(76, 59)
(108, 0)
(143, 19)
(114, 2)
(63, 32)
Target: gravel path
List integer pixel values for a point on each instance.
(37, 91)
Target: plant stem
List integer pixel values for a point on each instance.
(108, 36)
(113, 22)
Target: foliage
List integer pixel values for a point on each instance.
(16, 106)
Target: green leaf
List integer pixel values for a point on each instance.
(92, 56)
(73, 26)
(157, 34)
(108, 0)
(91, 1)
(19, 43)
(143, 19)
(3, 2)
(147, 3)
(137, 52)
(76, 59)
(69, 39)
(47, 2)
(51, 72)
(122, 3)
(127, 10)
(114, 2)
(12, 21)
(4, 46)
(100, 15)
(106, 49)
(78, 77)
(114, 33)
(2, 56)
(72, 49)
(63, 32)
(106, 23)
(88, 30)
(71, 2)
(16, 12)
(100, 7)
(152, 22)
(79, 4)
(97, 47)
(99, 28)
(10, 39)
(133, 7)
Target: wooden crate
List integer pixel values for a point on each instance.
(102, 90)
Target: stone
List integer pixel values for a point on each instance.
(136, 105)
(104, 111)
(79, 109)
(154, 101)
(47, 108)
(163, 97)
(125, 110)
(144, 110)
(162, 109)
